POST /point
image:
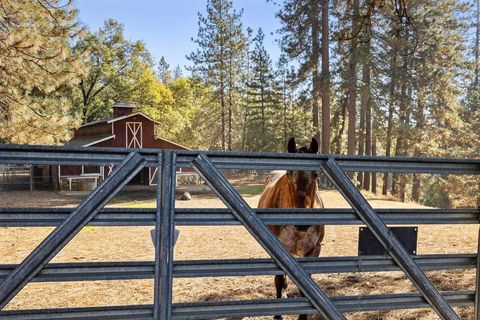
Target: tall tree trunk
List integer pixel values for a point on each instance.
(402, 116)
(325, 79)
(419, 119)
(245, 120)
(391, 108)
(231, 86)
(399, 181)
(262, 106)
(222, 93)
(401, 130)
(477, 45)
(230, 115)
(284, 91)
(405, 145)
(340, 118)
(222, 103)
(374, 153)
(416, 180)
(315, 63)
(363, 107)
(230, 112)
(352, 88)
(292, 118)
(368, 111)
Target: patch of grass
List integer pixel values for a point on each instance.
(251, 190)
(129, 203)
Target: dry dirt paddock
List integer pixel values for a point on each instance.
(134, 243)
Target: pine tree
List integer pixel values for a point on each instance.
(352, 79)
(325, 78)
(164, 72)
(219, 59)
(37, 68)
(263, 102)
(300, 41)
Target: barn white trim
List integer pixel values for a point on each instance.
(132, 115)
(99, 140)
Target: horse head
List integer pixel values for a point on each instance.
(302, 184)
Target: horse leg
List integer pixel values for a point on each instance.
(280, 286)
(315, 252)
(302, 316)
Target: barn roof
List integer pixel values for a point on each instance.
(124, 105)
(108, 121)
(93, 133)
(88, 141)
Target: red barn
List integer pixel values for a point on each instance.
(127, 129)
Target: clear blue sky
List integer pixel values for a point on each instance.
(167, 26)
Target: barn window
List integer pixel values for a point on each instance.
(91, 170)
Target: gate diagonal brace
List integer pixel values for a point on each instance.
(401, 257)
(59, 237)
(265, 237)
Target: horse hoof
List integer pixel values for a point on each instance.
(284, 296)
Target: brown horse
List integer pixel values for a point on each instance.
(294, 189)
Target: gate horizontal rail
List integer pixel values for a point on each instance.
(25, 154)
(89, 271)
(50, 217)
(232, 309)
(165, 217)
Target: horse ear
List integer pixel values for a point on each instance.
(292, 146)
(314, 146)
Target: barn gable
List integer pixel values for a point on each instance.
(128, 130)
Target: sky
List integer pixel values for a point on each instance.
(167, 26)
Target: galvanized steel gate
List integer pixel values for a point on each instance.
(129, 162)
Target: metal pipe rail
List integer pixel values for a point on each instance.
(50, 155)
(51, 217)
(90, 271)
(232, 309)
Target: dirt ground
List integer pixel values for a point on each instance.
(134, 244)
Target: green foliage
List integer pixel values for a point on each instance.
(219, 61)
(36, 64)
(164, 72)
(114, 69)
(263, 105)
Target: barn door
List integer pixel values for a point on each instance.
(134, 135)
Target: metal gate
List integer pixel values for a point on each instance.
(128, 162)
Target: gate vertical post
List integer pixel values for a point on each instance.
(477, 281)
(164, 236)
